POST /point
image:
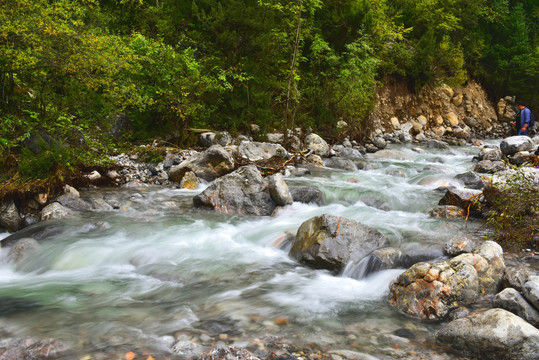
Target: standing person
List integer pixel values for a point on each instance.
(522, 122)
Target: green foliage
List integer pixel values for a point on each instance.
(69, 66)
(44, 164)
(515, 213)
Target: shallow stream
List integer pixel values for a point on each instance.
(157, 269)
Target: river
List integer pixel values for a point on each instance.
(130, 279)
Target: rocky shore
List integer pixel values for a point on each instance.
(247, 177)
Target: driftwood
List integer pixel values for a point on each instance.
(274, 165)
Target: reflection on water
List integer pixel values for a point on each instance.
(156, 266)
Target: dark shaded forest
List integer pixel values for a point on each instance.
(68, 67)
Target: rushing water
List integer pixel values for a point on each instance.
(114, 281)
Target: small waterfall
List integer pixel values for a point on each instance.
(364, 267)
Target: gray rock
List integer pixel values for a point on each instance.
(350, 153)
(70, 190)
(317, 145)
(511, 300)
(190, 181)
(227, 353)
(379, 142)
(520, 157)
(171, 159)
(495, 334)
(279, 190)
(186, 348)
(55, 211)
(101, 205)
(420, 137)
(530, 290)
(21, 249)
(255, 151)
(275, 138)
(458, 245)
(371, 149)
(243, 191)
(295, 171)
(222, 138)
(471, 180)
(330, 242)
(73, 202)
(30, 219)
(489, 167)
(208, 165)
(492, 154)
(432, 290)
(94, 176)
(339, 163)
(514, 144)
(515, 277)
(416, 255)
(307, 194)
(405, 137)
(437, 144)
(9, 216)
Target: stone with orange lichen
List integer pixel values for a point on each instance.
(458, 245)
(430, 291)
(432, 275)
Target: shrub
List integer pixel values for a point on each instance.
(514, 210)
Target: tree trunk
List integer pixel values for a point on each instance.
(289, 122)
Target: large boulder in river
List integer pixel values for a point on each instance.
(208, 165)
(9, 216)
(330, 242)
(243, 191)
(317, 145)
(514, 144)
(432, 290)
(255, 151)
(495, 334)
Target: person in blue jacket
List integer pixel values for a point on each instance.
(522, 122)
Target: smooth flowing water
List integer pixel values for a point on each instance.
(133, 278)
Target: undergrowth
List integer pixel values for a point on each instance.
(514, 213)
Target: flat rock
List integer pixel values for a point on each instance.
(495, 334)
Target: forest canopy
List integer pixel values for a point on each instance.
(67, 67)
